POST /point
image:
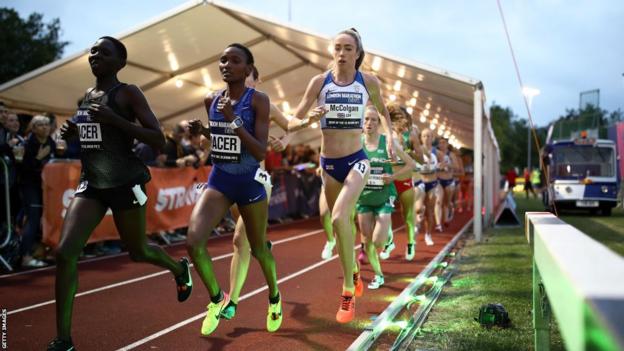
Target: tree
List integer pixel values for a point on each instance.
(588, 118)
(27, 44)
(511, 133)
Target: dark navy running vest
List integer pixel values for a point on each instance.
(106, 151)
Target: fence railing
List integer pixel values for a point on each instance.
(580, 281)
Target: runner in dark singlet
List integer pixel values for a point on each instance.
(112, 177)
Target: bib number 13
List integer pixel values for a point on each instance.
(361, 168)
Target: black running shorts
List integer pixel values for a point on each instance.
(120, 198)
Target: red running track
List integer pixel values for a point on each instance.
(136, 307)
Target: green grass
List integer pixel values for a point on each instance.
(607, 230)
(496, 271)
(499, 270)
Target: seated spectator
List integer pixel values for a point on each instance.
(39, 150)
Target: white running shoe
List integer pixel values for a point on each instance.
(428, 239)
(328, 250)
(377, 282)
(385, 254)
(438, 228)
(409, 251)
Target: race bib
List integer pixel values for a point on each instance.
(344, 110)
(263, 177)
(375, 180)
(226, 148)
(361, 168)
(226, 145)
(90, 135)
(427, 169)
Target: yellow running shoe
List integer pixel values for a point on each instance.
(211, 321)
(274, 316)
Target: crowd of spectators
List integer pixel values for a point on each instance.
(28, 143)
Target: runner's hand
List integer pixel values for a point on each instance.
(387, 178)
(103, 114)
(196, 127)
(69, 130)
(276, 144)
(43, 152)
(225, 107)
(316, 114)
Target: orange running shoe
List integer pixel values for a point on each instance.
(359, 285)
(346, 312)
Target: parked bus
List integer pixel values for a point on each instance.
(582, 173)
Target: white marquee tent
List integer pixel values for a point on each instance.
(174, 60)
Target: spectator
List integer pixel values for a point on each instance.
(536, 181)
(311, 154)
(289, 156)
(3, 116)
(12, 150)
(39, 150)
(186, 136)
(300, 155)
(175, 154)
(527, 183)
(511, 178)
(147, 154)
(273, 160)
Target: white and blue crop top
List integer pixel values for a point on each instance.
(345, 104)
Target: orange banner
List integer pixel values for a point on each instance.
(171, 195)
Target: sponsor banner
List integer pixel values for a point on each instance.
(171, 195)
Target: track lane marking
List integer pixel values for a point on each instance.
(242, 298)
(149, 276)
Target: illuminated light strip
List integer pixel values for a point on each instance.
(406, 336)
(372, 331)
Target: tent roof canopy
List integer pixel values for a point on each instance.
(174, 60)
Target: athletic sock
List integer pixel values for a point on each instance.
(218, 298)
(274, 300)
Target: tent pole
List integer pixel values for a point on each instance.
(478, 162)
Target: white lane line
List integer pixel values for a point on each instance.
(95, 259)
(131, 281)
(243, 297)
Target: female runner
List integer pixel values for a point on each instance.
(238, 127)
(376, 203)
(112, 177)
(341, 95)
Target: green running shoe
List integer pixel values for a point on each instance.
(274, 317)
(211, 321)
(229, 311)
